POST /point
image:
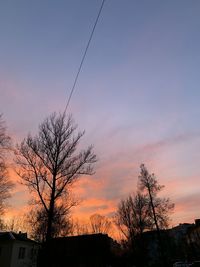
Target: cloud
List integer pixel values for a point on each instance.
(117, 172)
(170, 141)
(185, 193)
(188, 202)
(94, 205)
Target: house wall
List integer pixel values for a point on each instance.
(29, 259)
(5, 253)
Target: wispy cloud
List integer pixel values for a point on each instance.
(170, 141)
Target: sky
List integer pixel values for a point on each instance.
(137, 95)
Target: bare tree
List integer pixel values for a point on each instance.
(5, 140)
(49, 165)
(5, 187)
(37, 220)
(80, 227)
(100, 224)
(159, 208)
(5, 184)
(16, 224)
(132, 216)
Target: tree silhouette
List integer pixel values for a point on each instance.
(159, 208)
(5, 184)
(37, 219)
(16, 224)
(99, 224)
(80, 227)
(49, 164)
(132, 216)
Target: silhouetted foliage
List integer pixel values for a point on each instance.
(5, 184)
(159, 208)
(99, 224)
(5, 141)
(16, 224)
(142, 213)
(38, 221)
(132, 216)
(80, 227)
(49, 164)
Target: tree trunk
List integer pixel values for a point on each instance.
(153, 209)
(51, 212)
(50, 220)
(158, 230)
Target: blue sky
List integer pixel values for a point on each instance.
(137, 95)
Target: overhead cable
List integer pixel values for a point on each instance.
(83, 57)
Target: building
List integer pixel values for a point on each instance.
(179, 232)
(97, 250)
(16, 250)
(193, 240)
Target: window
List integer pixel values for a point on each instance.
(21, 254)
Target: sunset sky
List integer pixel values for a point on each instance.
(137, 96)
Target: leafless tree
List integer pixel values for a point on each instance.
(16, 224)
(5, 184)
(100, 224)
(80, 227)
(5, 140)
(49, 164)
(2, 225)
(132, 216)
(37, 220)
(159, 208)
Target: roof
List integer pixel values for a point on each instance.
(86, 236)
(15, 236)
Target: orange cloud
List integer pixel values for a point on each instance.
(93, 205)
(116, 177)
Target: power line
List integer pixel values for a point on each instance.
(84, 55)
